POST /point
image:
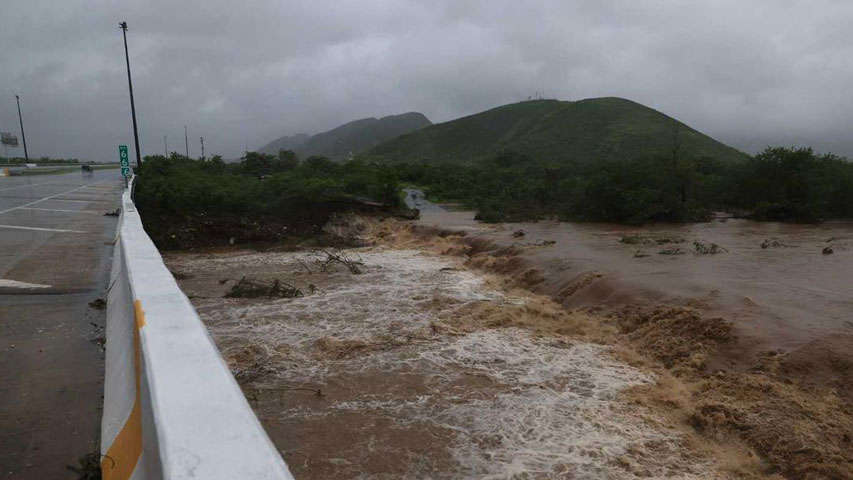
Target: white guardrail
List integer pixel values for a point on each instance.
(172, 409)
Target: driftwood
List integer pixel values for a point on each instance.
(332, 259)
(248, 288)
(708, 248)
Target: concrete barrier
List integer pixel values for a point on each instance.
(172, 409)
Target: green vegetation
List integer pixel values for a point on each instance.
(193, 202)
(188, 202)
(354, 137)
(605, 159)
(260, 183)
(553, 133)
(783, 184)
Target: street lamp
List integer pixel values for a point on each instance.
(23, 137)
(123, 26)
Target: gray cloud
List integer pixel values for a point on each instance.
(242, 73)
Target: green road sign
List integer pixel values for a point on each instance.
(122, 156)
(126, 171)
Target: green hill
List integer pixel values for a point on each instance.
(553, 132)
(354, 137)
(284, 143)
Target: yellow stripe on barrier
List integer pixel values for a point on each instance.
(123, 455)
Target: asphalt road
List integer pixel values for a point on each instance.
(55, 253)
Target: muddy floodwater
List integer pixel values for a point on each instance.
(772, 279)
(419, 368)
(452, 349)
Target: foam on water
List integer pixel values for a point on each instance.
(514, 405)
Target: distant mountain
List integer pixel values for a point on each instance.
(354, 137)
(554, 132)
(285, 143)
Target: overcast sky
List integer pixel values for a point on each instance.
(242, 73)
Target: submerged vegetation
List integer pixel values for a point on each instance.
(783, 184)
(285, 194)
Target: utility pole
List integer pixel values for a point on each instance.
(186, 141)
(23, 137)
(165, 148)
(202, 147)
(123, 26)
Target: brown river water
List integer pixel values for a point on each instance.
(427, 365)
(780, 297)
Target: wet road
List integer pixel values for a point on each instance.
(55, 254)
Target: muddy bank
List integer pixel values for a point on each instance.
(418, 367)
(756, 374)
(302, 224)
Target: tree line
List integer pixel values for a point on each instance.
(781, 184)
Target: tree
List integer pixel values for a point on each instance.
(287, 160)
(257, 164)
(319, 163)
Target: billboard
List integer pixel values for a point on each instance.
(8, 139)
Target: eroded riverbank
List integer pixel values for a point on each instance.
(421, 368)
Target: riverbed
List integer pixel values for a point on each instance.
(420, 368)
(778, 282)
(464, 350)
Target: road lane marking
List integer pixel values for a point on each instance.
(26, 185)
(51, 197)
(56, 210)
(40, 229)
(16, 284)
(83, 199)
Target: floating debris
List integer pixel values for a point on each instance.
(772, 243)
(339, 258)
(248, 288)
(708, 248)
(635, 239)
(665, 240)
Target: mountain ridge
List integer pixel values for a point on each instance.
(554, 132)
(353, 137)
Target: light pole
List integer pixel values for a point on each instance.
(23, 136)
(123, 26)
(165, 148)
(202, 147)
(186, 141)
